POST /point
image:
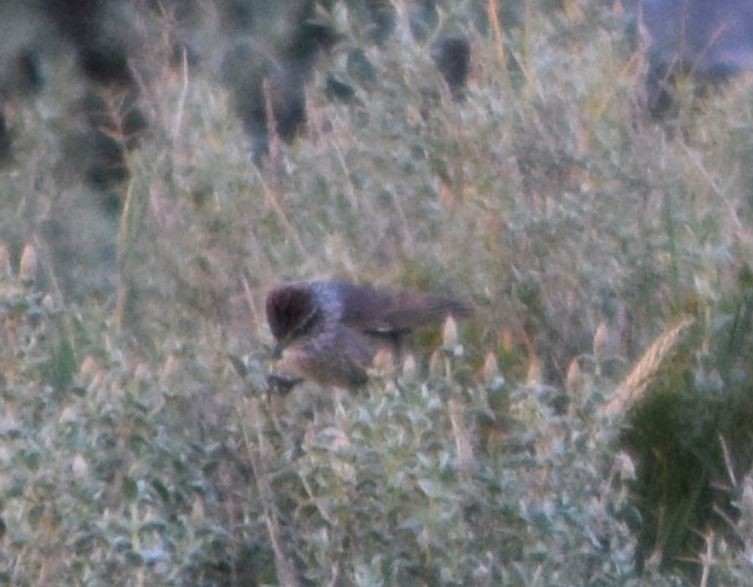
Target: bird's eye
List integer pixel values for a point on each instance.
(306, 323)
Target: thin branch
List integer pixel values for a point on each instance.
(183, 93)
(259, 456)
(728, 461)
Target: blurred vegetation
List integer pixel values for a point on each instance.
(593, 429)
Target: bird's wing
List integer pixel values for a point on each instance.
(381, 311)
(337, 356)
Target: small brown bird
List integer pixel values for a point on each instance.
(330, 331)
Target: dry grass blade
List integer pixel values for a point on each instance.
(466, 461)
(645, 371)
(499, 43)
(28, 266)
(5, 268)
(130, 231)
(259, 460)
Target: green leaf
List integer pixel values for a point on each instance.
(61, 367)
(130, 489)
(161, 490)
(431, 488)
(238, 364)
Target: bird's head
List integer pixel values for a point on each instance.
(291, 312)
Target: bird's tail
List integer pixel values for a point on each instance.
(412, 309)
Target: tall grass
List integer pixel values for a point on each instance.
(133, 452)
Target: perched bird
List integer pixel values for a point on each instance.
(330, 331)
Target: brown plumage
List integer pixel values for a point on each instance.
(331, 330)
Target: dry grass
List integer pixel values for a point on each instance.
(648, 369)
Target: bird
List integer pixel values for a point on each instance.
(329, 331)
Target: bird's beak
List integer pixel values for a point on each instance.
(280, 347)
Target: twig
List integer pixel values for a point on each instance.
(274, 203)
(259, 456)
(499, 43)
(739, 229)
(182, 100)
(707, 559)
(728, 520)
(250, 302)
(466, 462)
(728, 461)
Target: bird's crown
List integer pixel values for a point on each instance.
(289, 308)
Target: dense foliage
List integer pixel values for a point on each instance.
(590, 427)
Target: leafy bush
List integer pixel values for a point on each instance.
(132, 452)
(169, 473)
